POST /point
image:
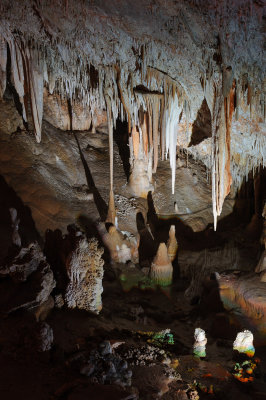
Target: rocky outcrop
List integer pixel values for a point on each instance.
(28, 281)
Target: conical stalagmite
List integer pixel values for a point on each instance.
(161, 268)
(172, 244)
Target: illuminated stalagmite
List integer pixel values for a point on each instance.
(161, 271)
(172, 245)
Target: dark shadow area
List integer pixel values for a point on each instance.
(147, 245)
(98, 200)
(27, 229)
(247, 211)
(121, 140)
(201, 128)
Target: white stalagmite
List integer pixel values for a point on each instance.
(244, 343)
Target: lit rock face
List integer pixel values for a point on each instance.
(245, 294)
(261, 267)
(244, 343)
(56, 112)
(161, 271)
(199, 52)
(85, 272)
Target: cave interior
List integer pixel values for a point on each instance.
(133, 199)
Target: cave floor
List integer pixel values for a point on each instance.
(30, 375)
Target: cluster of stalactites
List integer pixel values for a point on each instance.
(225, 97)
(145, 94)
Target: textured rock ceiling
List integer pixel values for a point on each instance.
(161, 58)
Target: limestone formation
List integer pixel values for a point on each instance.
(25, 263)
(33, 279)
(172, 245)
(161, 271)
(244, 343)
(140, 179)
(85, 272)
(199, 347)
(44, 337)
(122, 247)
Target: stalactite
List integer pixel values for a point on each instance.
(223, 108)
(111, 215)
(35, 83)
(172, 118)
(17, 72)
(155, 126)
(3, 61)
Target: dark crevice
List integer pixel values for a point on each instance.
(121, 140)
(201, 128)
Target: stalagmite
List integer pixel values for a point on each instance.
(244, 343)
(199, 347)
(161, 271)
(141, 169)
(172, 244)
(121, 248)
(85, 273)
